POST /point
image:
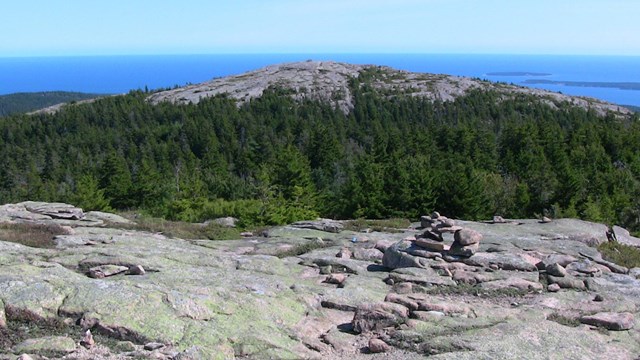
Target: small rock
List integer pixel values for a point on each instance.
(103, 271)
(87, 340)
(344, 253)
(425, 221)
(545, 220)
(326, 270)
(566, 282)
(403, 288)
(246, 234)
(498, 220)
(556, 270)
(598, 298)
(136, 270)
(427, 315)
(367, 254)
(226, 221)
(467, 237)
(553, 288)
(336, 278)
(378, 346)
(433, 235)
(153, 346)
(430, 244)
(24, 357)
(610, 321)
(435, 215)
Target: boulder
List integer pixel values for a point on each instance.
(344, 253)
(370, 317)
(466, 237)
(378, 346)
(396, 256)
(556, 270)
(498, 220)
(136, 270)
(54, 210)
(553, 288)
(610, 320)
(561, 259)
(464, 251)
(383, 245)
(567, 282)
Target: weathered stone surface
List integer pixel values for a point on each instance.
(463, 250)
(505, 261)
(556, 270)
(226, 221)
(327, 225)
(49, 344)
(553, 288)
(378, 316)
(226, 299)
(367, 254)
(378, 346)
(562, 260)
(610, 321)
(103, 271)
(512, 282)
(344, 253)
(567, 282)
(396, 257)
(87, 340)
(136, 270)
(466, 237)
(430, 244)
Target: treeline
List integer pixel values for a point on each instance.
(275, 160)
(26, 102)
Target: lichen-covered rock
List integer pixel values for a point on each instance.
(466, 251)
(556, 270)
(49, 344)
(396, 256)
(369, 317)
(610, 321)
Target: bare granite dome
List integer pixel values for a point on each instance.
(329, 81)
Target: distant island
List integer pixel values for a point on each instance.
(517, 73)
(613, 85)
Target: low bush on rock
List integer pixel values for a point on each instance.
(388, 225)
(625, 255)
(182, 230)
(33, 235)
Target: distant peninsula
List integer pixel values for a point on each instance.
(613, 85)
(517, 73)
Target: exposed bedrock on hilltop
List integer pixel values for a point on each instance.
(528, 290)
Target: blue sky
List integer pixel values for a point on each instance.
(87, 27)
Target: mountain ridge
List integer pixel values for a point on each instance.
(329, 81)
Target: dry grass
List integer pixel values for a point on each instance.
(624, 255)
(388, 225)
(181, 230)
(33, 235)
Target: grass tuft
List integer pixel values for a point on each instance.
(182, 230)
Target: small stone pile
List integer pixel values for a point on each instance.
(466, 241)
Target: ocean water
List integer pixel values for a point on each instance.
(119, 74)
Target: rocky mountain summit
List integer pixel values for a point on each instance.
(449, 289)
(329, 81)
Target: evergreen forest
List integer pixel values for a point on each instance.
(275, 160)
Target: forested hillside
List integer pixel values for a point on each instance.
(276, 160)
(25, 102)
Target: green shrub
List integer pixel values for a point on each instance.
(624, 255)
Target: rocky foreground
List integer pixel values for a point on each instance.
(501, 289)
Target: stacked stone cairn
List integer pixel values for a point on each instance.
(465, 241)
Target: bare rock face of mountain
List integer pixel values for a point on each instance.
(329, 81)
(304, 293)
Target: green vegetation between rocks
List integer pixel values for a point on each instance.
(275, 160)
(625, 255)
(25, 102)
